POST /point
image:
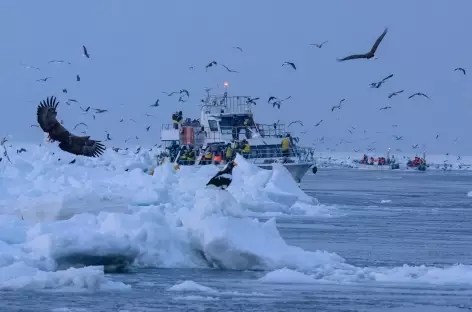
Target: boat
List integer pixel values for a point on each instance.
(379, 162)
(228, 119)
(418, 163)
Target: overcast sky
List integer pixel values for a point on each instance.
(138, 49)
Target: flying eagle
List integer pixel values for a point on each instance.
(77, 145)
(369, 54)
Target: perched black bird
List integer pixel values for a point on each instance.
(78, 145)
(369, 54)
(224, 177)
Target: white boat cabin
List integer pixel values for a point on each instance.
(226, 119)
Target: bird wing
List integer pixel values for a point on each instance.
(377, 42)
(388, 77)
(424, 95)
(288, 97)
(353, 57)
(46, 116)
(82, 146)
(81, 123)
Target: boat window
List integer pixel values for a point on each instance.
(226, 123)
(213, 125)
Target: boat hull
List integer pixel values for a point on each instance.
(297, 171)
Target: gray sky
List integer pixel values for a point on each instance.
(140, 48)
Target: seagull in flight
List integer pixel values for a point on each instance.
(338, 106)
(296, 121)
(31, 67)
(291, 64)
(43, 79)
(81, 123)
(277, 101)
(379, 84)
(211, 64)
(230, 70)
(419, 94)
(319, 46)
(395, 93)
(58, 62)
(171, 93)
(85, 52)
(460, 69)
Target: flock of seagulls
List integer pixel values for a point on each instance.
(83, 145)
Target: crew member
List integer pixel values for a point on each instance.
(190, 156)
(207, 157)
(228, 152)
(286, 144)
(246, 148)
(175, 121)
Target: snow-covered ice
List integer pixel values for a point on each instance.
(54, 214)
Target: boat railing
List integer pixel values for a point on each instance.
(167, 127)
(265, 131)
(197, 135)
(261, 154)
(223, 104)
